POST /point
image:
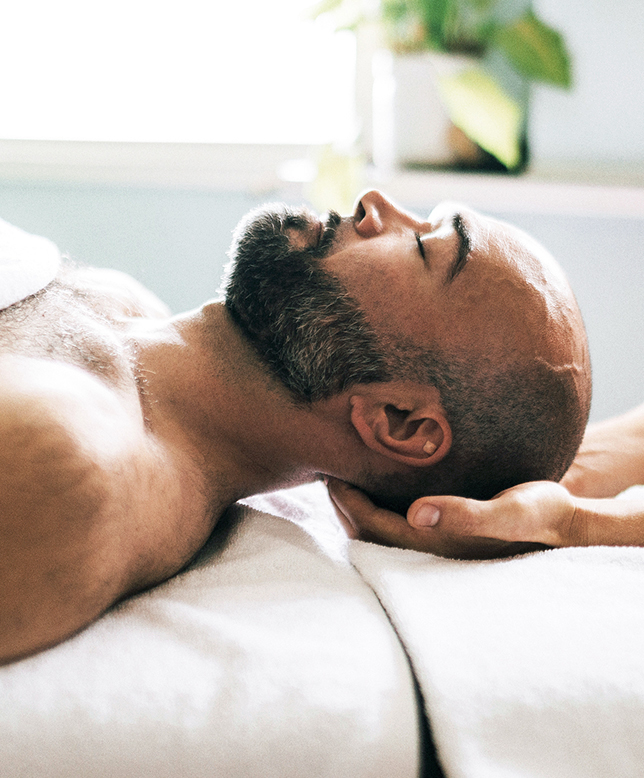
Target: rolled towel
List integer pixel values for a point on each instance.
(27, 264)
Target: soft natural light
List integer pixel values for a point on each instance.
(255, 71)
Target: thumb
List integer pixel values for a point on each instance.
(454, 514)
(538, 512)
(471, 529)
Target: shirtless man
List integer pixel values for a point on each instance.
(404, 355)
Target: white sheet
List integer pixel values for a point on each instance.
(272, 658)
(268, 659)
(532, 666)
(27, 264)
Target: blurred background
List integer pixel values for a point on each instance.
(135, 134)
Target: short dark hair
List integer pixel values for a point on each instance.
(511, 423)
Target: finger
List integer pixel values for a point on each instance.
(531, 512)
(366, 521)
(340, 494)
(353, 533)
(468, 529)
(454, 515)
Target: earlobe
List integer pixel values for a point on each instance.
(419, 437)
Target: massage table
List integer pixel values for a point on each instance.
(286, 650)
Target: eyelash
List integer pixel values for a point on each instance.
(420, 245)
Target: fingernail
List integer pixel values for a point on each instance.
(426, 516)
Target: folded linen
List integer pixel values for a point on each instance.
(528, 666)
(265, 659)
(27, 264)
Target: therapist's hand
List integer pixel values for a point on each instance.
(525, 518)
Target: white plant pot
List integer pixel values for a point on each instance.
(410, 124)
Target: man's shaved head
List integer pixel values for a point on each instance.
(457, 301)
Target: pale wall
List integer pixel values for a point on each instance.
(602, 120)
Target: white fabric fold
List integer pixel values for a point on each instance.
(27, 264)
(267, 659)
(532, 666)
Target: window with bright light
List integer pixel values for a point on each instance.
(194, 71)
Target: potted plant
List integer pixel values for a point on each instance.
(480, 56)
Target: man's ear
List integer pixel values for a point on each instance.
(409, 429)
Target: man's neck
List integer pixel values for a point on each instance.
(213, 396)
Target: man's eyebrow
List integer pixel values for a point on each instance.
(463, 250)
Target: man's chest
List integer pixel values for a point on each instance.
(60, 325)
(154, 480)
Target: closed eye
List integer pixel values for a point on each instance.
(421, 248)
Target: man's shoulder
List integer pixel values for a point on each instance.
(36, 412)
(93, 505)
(51, 498)
(40, 393)
(61, 430)
(69, 513)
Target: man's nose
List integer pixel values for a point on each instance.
(374, 213)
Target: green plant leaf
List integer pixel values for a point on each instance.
(477, 105)
(536, 50)
(436, 15)
(483, 5)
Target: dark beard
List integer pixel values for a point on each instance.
(304, 326)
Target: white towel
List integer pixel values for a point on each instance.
(266, 659)
(532, 666)
(27, 264)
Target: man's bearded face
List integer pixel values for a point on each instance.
(299, 317)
